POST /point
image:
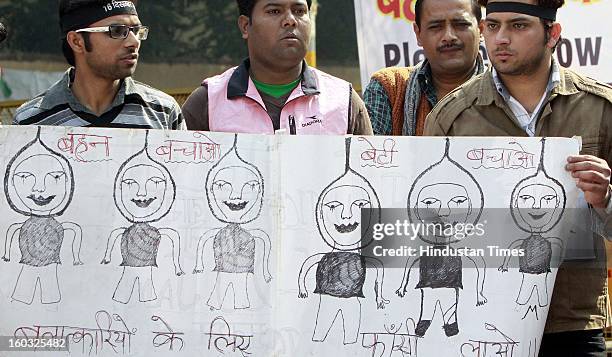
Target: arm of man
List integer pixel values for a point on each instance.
(359, 120)
(177, 121)
(195, 109)
(592, 176)
(379, 108)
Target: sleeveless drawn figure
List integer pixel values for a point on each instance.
(447, 206)
(234, 190)
(39, 183)
(537, 205)
(341, 273)
(144, 193)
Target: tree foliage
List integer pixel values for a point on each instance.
(181, 31)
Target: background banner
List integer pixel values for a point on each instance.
(385, 36)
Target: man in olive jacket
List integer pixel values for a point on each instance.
(527, 93)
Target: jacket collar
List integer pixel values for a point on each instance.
(239, 81)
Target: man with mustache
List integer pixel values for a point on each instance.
(101, 43)
(399, 98)
(526, 93)
(274, 89)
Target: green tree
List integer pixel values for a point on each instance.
(32, 27)
(182, 31)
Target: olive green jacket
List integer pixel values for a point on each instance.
(577, 106)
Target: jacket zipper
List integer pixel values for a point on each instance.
(292, 130)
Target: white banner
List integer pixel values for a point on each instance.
(167, 243)
(386, 38)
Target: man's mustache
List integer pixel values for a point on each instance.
(452, 46)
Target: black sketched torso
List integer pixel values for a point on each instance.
(341, 274)
(234, 249)
(139, 245)
(538, 255)
(40, 241)
(440, 271)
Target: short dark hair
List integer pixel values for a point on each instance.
(553, 4)
(67, 6)
(67, 50)
(245, 7)
(418, 9)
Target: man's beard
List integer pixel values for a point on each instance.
(526, 67)
(111, 71)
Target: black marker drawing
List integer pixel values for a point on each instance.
(537, 205)
(341, 273)
(167, 337)
(505, 346)
(226, 342)
(144, 193)
(385, 344)
(105, 338)
(234, 190)
(533, 348)
(39, 184)
(445, 207)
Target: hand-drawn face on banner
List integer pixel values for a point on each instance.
(234, 189)
(338, 211)
(537, 203)
(443, 205)
(144, 189)
(39, 181)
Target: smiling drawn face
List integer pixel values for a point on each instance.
(142, 190)
(236, 192)
(41, 184)
(234, 188)
(38, 181)
(538, 201)
(341, 214)
(536, 206)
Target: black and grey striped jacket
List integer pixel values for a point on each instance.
(136, 105)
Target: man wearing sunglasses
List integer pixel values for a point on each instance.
(101, 42)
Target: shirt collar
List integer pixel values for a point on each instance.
(239, 81)
(425, 78)
(554, 80)
(61, 93)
